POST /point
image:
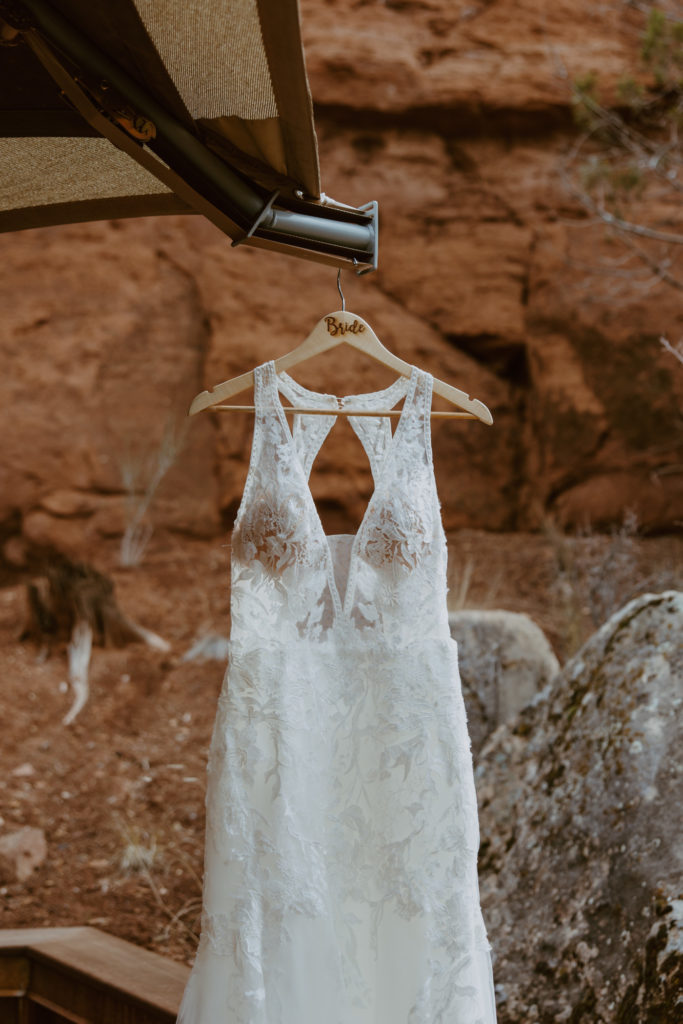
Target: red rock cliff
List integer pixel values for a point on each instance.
(455, 116)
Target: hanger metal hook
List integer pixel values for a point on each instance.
(340, 290)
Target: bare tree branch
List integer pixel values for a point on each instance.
(675, 350)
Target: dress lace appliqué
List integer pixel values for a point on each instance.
(340, 880)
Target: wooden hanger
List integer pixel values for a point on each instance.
(332, 330)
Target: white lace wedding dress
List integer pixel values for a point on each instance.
(342, 832)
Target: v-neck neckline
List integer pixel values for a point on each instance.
(342, 605)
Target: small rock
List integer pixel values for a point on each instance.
(14, 551)
(23, 771)
(21, 853)
(65, 503)
(504, 659)
(44, 530)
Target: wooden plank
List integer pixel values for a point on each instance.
(87, 1001)
(38, 1006)
(98, 961)
(23, 938)
(15, 971)
(9, 1011)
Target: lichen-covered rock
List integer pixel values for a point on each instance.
(581, 858)
(504, 659)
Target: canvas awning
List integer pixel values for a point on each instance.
(123, 108)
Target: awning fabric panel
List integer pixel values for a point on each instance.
(215, 55)
(116, 28)
(44, 171)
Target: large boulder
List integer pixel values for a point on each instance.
(580, 812)
(504, 660)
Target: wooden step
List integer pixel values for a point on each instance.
(84, 976)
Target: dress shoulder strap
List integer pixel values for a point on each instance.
(411, 444)
(264, 389)
(266, 422)
(374, 432)
(422, 401)
(308, 432)
(424, 389)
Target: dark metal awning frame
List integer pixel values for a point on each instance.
(315, 229)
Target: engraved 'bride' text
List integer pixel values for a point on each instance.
(335, 326)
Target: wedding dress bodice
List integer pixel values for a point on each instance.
(296, 582)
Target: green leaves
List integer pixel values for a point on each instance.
(662, 49)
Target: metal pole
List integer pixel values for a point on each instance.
(354, 236)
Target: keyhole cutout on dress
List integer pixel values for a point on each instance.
(308, 434)
(342, 496)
